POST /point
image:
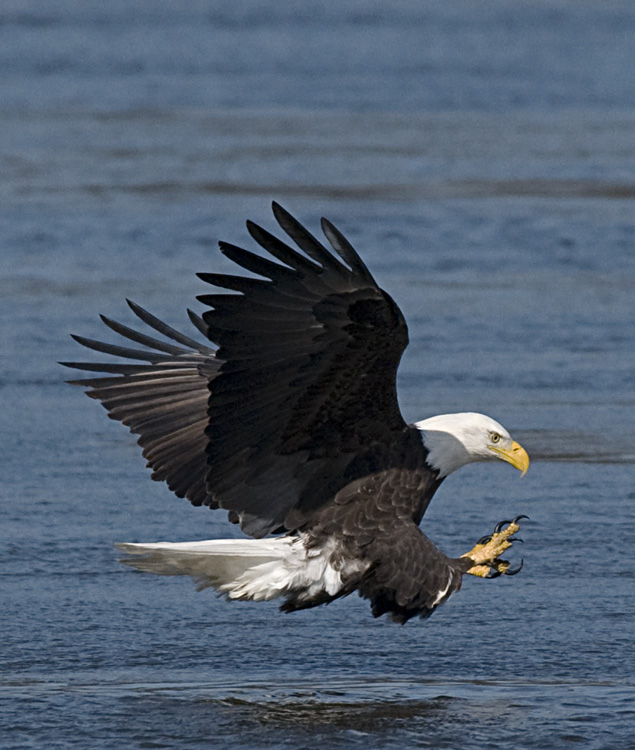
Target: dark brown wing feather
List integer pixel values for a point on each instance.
(164, 401)
(307, 390)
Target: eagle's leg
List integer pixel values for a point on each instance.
(486, 552)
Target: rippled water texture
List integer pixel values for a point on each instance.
(481, 156)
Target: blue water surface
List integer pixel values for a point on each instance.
(481, 156)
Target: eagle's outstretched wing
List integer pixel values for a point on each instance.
(302, 389)
(161, 396)
(307, 390)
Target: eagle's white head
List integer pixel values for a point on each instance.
(454, 440)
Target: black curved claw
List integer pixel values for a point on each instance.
(500, 525)
(495, 573)
(485, 539)
(513, 572)
(519, 517)
(515, 539)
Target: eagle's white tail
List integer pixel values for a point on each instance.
(242, 568)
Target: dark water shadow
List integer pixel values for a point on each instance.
(360, 716)
(386, 712)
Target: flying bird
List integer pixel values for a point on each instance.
(287, 418)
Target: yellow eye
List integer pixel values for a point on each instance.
(494, 437)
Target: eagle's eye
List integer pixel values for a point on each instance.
(494, 437)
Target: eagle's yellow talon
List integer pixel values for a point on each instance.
(482, 571)
(486, 553)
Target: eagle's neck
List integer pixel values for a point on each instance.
(445, 440)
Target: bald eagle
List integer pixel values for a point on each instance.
(291, 424)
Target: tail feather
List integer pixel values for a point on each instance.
(240, 568)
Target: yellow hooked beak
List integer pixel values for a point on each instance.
(516, 456)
